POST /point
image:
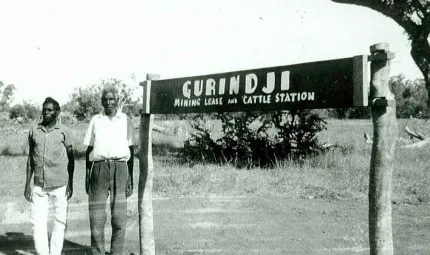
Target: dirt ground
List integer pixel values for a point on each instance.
(241, 225)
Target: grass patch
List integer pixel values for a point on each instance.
(341, 173)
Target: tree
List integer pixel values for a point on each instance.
(6, 93)
(16, 111)
(414, 17)
(411, 97)
(27, 111)
(85, 102)
(32, 112)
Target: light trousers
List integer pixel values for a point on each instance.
(39, 219)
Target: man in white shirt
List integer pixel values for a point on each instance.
(109, 172)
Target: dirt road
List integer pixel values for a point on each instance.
(243, 225)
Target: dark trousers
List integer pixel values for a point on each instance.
(108, 179)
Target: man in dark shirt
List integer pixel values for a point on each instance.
(51, 161)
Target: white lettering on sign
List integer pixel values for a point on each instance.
(213, 101)
(232, 101)
(221, 86)
(251, 82)
(270, 83)
(257, 99)
(186, 91)
(186, 102)
(214, 91)
(209, 85)
(234, 85)
(294, 97)
(285, 80)
(198, 88)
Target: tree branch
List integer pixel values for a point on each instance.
(415, 145)
(426, 20)
(414, 134)
(419, 6)
(405, 144)
(427, 7)
(388, 10)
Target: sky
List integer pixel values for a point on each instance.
(49, 48)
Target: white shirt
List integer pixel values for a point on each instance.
(110, 138)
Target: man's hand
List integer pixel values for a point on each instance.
(89, 166)
(129, 187)
(27, 193)
(87, 182)
(69, 191)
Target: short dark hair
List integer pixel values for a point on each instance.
(50, 100)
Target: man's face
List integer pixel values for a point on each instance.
(49, 113)
(109, 102)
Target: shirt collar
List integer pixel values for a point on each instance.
(56, 126)
(117, 115)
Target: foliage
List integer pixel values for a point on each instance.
(414, 17)
(411, 101)
(25, 112)
(16, 111)
(297, 131)
(6, 96)
(85, 101)
(255, 139)
(4, 116)
(349, 113)
(67, 117)
(411, 97)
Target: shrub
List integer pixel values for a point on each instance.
(297, 132)
(255, 139)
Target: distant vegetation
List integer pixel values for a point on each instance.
(84, 102)
(246, 140)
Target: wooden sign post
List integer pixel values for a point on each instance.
(383, 110)
(146, 176)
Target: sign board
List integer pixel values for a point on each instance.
(338, 83)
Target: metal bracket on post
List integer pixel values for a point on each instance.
(381, 56)
(382, 102)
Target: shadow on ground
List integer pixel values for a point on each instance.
(14, 243)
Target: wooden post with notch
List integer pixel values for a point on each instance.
(146, 220)
(383, 110)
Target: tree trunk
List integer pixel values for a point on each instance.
(420, 52)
